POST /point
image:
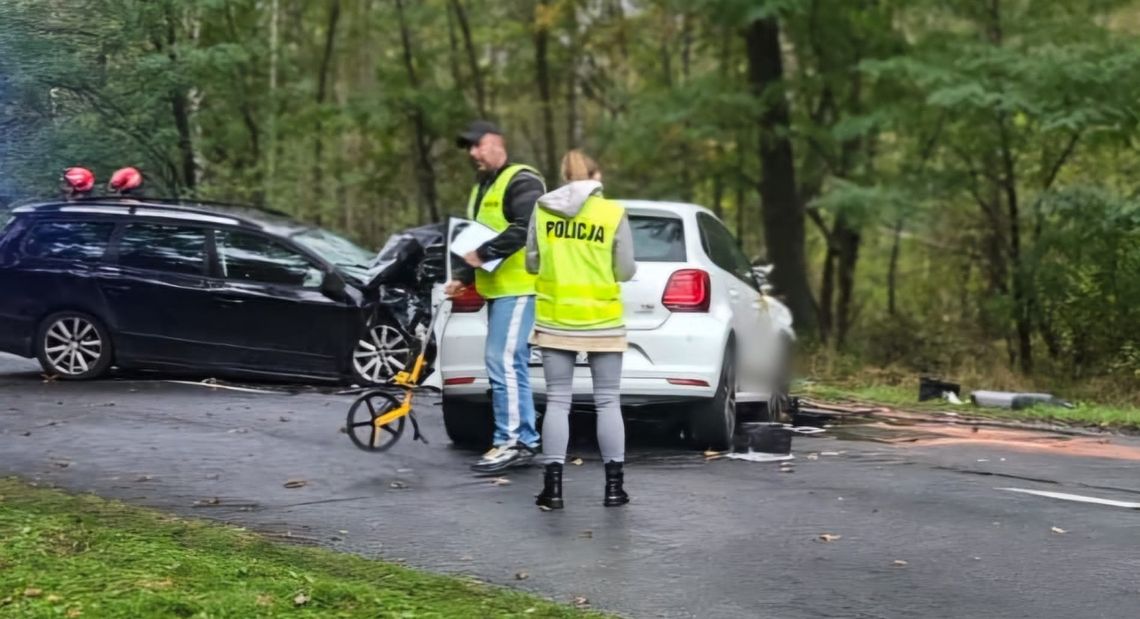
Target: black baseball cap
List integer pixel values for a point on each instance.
(474, 132)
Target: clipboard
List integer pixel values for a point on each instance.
(466, 236)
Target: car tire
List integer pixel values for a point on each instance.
(381, 353)
(713, 423)
(74, 346)
(470, 425)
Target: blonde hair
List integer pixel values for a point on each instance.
(578, 166)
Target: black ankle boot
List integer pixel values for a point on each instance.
(551, 496)
(615, 495)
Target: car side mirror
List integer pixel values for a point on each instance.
(332, 286)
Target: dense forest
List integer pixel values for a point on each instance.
(940, 183)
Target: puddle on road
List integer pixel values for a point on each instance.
(925, 434)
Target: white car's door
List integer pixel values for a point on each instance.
(750, 320)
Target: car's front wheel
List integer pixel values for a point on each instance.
(384, 351)
(73, 346)
(712, 424)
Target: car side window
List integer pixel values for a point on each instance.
(162, 247)
(254, 258)
(723, 249)
(83, 241)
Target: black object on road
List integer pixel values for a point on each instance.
(933, 388)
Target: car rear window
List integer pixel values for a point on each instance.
(657, 239)
(84, 241)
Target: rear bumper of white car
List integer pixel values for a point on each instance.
(679, 360)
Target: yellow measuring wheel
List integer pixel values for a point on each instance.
(377, 418)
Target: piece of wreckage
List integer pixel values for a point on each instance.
(397, 295)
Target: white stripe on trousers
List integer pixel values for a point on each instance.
(511, 376)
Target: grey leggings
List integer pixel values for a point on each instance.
(605, 368)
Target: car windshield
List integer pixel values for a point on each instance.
(350, 257)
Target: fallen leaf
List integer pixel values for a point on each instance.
(296, 483)
(829, 537)
(522, 576)
(813, 456)
(712, 454)
(74, 612)
(264, 600)
(576, 462)
(587, 534)
(53, 598)
(901, 563)
(1059, 530)
(581, 602)
(500, 481)
(398, 485)
(32, 592)
(342, 532)
(301, 599)
(145, 478)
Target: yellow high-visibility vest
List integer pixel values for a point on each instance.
(576, 289)
(510, 279)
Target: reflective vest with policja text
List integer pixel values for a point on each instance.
(576, 287)
(510, 279)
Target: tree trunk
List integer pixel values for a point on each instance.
(425, 171)
(781, 208)
(472, 57)
(271, 151)
(180, 109)
(848, 240)
(542, 70)
(318, 183)
(893, 269)
(827, 291)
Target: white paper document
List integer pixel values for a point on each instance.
(467, 236)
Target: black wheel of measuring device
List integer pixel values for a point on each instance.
(361, 426)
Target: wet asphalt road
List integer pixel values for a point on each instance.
(701, 539)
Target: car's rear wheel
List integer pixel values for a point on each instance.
(73, 346)
(384, 351)
(712, 424)
(470, 425)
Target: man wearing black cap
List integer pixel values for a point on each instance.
(503, 199)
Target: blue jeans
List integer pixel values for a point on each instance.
(510, 321)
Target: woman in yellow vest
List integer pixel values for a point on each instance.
(580, 246)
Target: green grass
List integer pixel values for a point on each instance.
(905, 397)
(65, 555)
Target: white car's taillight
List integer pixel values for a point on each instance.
(688, 290)
(467, 301)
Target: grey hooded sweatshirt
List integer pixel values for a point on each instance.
(567, 201)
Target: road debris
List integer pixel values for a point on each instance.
(900, 563)
(576, 462)
(500, 481)
(398, 485)
(581, 602)
(1059, 530)
(829, 537)
(301, 599)
(296, 483)
(522, 576)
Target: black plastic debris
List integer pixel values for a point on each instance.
(935, 389)
(764, 437)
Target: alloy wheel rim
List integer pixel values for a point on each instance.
(381, 354)
(73, 346)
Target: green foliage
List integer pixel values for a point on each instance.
(936, 143)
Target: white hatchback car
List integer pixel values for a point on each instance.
(704, 334)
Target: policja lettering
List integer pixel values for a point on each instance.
(576, 230)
